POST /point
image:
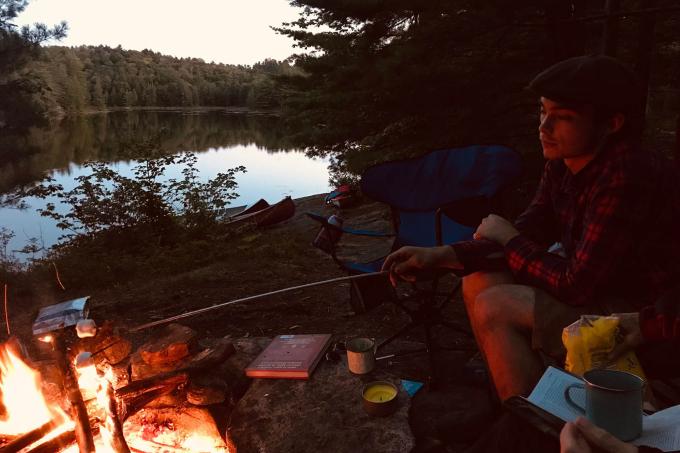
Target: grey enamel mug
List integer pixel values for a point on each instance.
(360, 355)
(613, 401)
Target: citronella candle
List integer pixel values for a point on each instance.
(380, 398)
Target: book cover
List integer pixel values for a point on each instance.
(289, 356)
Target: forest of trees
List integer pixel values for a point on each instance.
(375, 79)
(40, 83)
(86, 77)
(387, 79)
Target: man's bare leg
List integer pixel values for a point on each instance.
(475, 283)
(502, 319)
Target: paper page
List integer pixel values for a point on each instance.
(661, 430)
(549, 394)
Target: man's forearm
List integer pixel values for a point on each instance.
(447, 257)
(480, 255)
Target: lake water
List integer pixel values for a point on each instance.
(220, 141)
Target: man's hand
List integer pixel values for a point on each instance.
(406, 262)
(572, 441)
(629, 326)
(497, 229)
(582, 436)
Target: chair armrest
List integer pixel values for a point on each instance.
(324, 221)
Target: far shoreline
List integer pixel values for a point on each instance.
(196, 109)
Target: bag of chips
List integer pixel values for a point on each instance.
(590, 340)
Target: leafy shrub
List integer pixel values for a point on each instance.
(106, 201)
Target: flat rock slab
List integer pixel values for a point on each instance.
(322, 414)
(174, 429)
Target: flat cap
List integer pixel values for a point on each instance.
(597, 80)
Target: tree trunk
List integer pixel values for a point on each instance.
(645, 49)
(677, 140)
(610, 34)
(567, 39)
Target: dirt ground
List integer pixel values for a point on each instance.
(259, 261)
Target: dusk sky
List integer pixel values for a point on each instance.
(224, 31)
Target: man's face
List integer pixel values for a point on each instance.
(564, 132)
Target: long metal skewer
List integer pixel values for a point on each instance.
(258, 296)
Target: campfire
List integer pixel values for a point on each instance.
(95, 395)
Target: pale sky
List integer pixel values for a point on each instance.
(224, 31)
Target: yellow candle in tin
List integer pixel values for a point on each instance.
(380, 392)
(380, 398)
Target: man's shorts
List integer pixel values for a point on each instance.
(551, 316)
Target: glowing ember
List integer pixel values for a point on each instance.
(198, 442)
(22, 397)
(105, 429)
(88, 379)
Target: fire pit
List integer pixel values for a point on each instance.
(125, 402)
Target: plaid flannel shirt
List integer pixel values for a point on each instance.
(616, 220)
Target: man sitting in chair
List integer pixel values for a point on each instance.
(612, 207)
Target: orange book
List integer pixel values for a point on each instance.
(289, 356)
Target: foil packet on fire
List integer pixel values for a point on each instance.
(58, 316)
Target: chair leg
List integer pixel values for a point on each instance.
(397, 334)
(428, 315)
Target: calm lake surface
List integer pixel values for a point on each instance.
(220, 141)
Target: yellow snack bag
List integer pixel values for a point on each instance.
(590, 340)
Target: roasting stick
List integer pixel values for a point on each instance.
(189, 314)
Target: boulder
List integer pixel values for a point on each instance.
(323, 413)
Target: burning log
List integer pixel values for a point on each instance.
(112, 430)
(78, 410)
(57, 444)
(30, 437)
(133, 397)
(108, 345)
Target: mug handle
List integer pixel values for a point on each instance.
(571, 402)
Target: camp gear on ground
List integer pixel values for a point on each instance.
(342, 197)
(327, 237)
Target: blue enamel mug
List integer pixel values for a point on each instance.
(613, 401)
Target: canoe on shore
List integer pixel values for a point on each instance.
(262, 213)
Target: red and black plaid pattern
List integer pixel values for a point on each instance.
(616, 220)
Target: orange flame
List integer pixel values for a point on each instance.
(22, 396)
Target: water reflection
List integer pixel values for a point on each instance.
(127, 135)
(221, 141)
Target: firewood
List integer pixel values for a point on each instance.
(173, 344)
(204, 390)
(57, 444)
(214, 354)
(136, 388)
(108, 346)
(30, 437)
(112, 422)
(119, 373)
(140, 370)
(132, 398)
(79, 414)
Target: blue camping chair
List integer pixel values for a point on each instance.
(438, 198)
